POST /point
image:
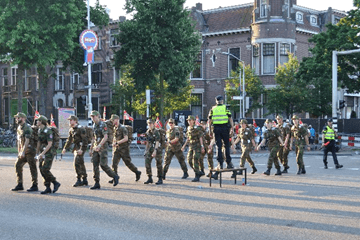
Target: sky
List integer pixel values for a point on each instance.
(116, 6)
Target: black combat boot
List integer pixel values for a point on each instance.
(197, 178)
(337, 166)
(215, 175)
(96, 186)
(85, 181)
(160, 181)
(254, 170)
(234, 174)
(111, 181)
(230, 165)
(56, 186)
(209, 175)
(34, 188)
(299, 171)
(267, 172)
(47, 189)
(303, 170)
(285, 170)
(278, 172)
(18, 187)
(185, 176)
(325, 166)
(116, 180)
(78, 183)
(150, 180)
(202, 173)
(220, 166)
(138, 174)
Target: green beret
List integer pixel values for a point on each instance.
(73, 117)
(94, 113)
(114, 116)
(190, 117)
(20, 115)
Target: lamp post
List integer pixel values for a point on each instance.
(90, 108)
(242, 113)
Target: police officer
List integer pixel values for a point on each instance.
(328, 143)
(223, 128)
(99, 151)
(26, 153)
(285, 136)
(153, 150)
(174, 148)
(196, 147)
(247, 139)
(46, 153)
(301, 137)
(77, 135)
(207, 137)
(121, 148)
(273, 136)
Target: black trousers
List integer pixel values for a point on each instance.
(330, 148)
(222, 135)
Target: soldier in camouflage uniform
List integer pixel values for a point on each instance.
(174, 148)
(77, 135)
(121, 148)
(285, 136)
(247, 138)
(153, 150)
(273, 136)
(46, 153)
(196, 146)
(207, 137)
(26, 153)
(301, 137)
(99, 151)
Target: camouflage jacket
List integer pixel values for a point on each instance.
(45, 136)
(194, 134)
(100, 130)
(77, 135)
(25, 131)
(272, 136)
(152, 136)
(119, 133)
(245, 135)
(284, 130)
(299, 133)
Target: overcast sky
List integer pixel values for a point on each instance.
(116, 6)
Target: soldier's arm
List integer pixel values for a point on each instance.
(84, 140)
(262, 143)
(25, 147)
(48, 146)
(281, 141)
(38, 147)
(103, 140)
(125, 138)
(67, 143)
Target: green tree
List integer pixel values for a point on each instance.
(291, 94)
(160, 43)
(253, 88)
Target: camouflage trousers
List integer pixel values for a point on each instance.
(45, 166)
(283, 156)
(158, 159)
(245, 156)
(169, 154)
(79, 165)
(19, 165)
(273, 158)
(193, 157)
(210, 157)
(124, 154)
(299, 150)
(101, 159)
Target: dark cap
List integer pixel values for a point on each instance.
(42, 118)
(243, 121)
(190, 117)
(73, 117)
(94, 113)
(330, 120)
(171, 120)
(219, 98)
(20, 115)
(114, 116)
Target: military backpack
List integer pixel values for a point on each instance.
(130, 133)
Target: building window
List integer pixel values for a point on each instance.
(113, 37)
(197, 73)
(96, 74)
(336, 20)
(5, 77)
(287, 7)
(14, 75)
(299, 17)
(233, 61)
(263, 8)
(59, 85)
(60, 103)
(75, 79)
(313, 20)
(284, 53)
(7, 109)
(256, 59)
(196, 105)
(269, 58)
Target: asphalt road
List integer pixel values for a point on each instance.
(322, 204)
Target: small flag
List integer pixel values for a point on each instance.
(197, 121)
(52, 123)
(104, 113)
(300, 122)
(254, 123)
(158, 123)
(127, 116)
(37, 115)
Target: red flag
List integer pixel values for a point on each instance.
(127, 116)
(158, 123)
(52, 123)
(300, 122)
(197, 121)
(254, 123)
(37, 115)
(104, 113)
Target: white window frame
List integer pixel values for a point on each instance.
(280, 54)
(298, 18)
(201, 67)
(5, 76)
(263, 8)
(111, 37)
(287, 3)
(229, 67)
(262, 58)
(14, 76)
(57, 84)
(313, 23)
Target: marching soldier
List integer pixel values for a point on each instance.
(46, 153)
(121, 148)
(328, 143)
(273, 136)
(196, 146)
(207, 137)
(153, 150)
(99, 151)
(77, 135)
(285, 136)
(26, 153)
(174, 148)
(247, 138)
(301, 136)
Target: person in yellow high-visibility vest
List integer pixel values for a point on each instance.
(220, 117)
(328, 143)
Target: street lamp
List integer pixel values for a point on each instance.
(242, 114)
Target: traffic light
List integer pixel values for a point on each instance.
(83, 99)
(341, 104)
(152, 96)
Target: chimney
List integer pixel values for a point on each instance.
(199, 6)
(122, 18)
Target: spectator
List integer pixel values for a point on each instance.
(312, 135)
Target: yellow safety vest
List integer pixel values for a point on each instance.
(329, 134)
(219, 115)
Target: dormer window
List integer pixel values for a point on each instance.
(263, 6)
(313, 20)
(299, 17)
